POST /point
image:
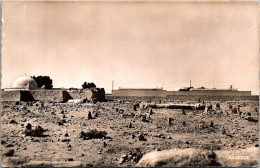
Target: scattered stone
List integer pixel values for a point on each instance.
(104, 144)
(234, 110)
(122, 159)
(141, 137)
(134, 107)
(9, 153)
(9, 145)
(65, 140)
(150, 111)
(162, 136)
(223, 131)
(170, 120)
(93, 134)
(217, 106)
(183, 111)
(37, 132)
(130, 125)
(28, 126)
(13, 122)
(121, 111)
(89, 115)
(144, 118)
(211, 124)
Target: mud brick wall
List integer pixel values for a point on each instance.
(99, 94)
(52, 95)
(143, 98)
(211, 98)
(76, 94)
(164, 93)
(187, 98)
(10, 96)
(211, 92)
(139, 93)
(47, 95)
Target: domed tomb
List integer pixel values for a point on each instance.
(25, 82)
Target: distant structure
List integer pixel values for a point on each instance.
(140, 92)
(186, 88)
(25, 89)
(186, 91)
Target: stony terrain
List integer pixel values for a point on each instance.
(120, 132)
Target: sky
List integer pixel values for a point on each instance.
(136, 44)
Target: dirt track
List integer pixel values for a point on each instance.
(121, 147)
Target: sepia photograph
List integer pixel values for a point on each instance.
(130, 83)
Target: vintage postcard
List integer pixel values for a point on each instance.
(129, 83)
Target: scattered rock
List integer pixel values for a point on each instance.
(28, 126)
(183, 111)
(9, 153)
(130, 125)
(122, 159)
(211, 124)
(9, 145)
(141, 137)
(13, 122)
(93, 134)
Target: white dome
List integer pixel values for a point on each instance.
(25, 82)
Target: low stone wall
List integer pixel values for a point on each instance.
(98, 94)
(11, 96)
(76, 94)
(52, 95)
(164, 93)
(209, 92)
(47, 95)
(140, 92)
(187, 98)
(211, 98)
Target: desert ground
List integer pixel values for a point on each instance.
(119, 133)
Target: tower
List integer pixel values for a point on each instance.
(112, 86)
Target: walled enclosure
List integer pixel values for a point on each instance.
(140, 92)
(210, 92)
(194, 95)
(10, 96)
(52, 95)
(165, 93)
(187, 98)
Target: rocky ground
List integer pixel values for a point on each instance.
(119, 133)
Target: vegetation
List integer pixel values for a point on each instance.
(88, 85)
(45, 81)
